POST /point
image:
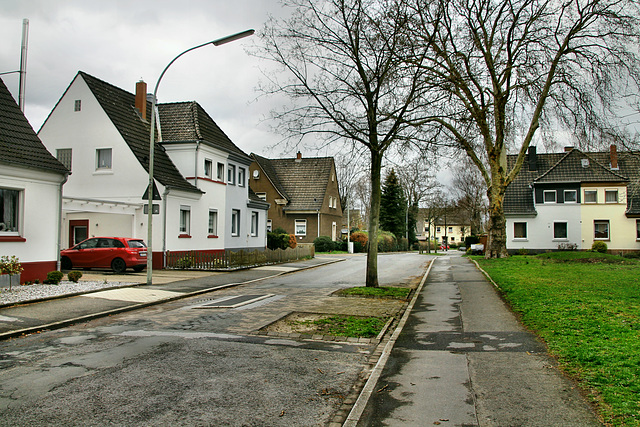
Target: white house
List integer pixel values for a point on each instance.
(569, 200)
(31, 181)
(202, 200)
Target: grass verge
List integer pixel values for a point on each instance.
(376, 292)
(348, 326)
(586, 306)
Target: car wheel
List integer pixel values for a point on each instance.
(118, 265)
(138, 268)
(65, 263)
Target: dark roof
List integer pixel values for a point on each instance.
(19, 144)
(567, 167)
(119, 105)
(302, 181)
(187, 121)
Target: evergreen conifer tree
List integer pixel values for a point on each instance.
(393, 206)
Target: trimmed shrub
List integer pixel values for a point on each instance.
(358, 248)
(278, 240)
(471, 240)
(403, 244)
(74, 276)
(341, 246)
(386, 242)
(54, 277)
(324, 244)
(599, 246)
(184, 262)
(360, 237)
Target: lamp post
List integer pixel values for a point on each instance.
(216, 42)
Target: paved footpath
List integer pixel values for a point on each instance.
(463, 359)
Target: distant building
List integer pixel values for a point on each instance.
(302, 193)
(31, 181)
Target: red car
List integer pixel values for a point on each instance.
(116, 253)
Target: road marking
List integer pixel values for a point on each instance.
(134, 295)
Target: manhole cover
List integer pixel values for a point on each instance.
(234, 301)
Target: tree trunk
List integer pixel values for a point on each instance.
(497, 239)
(374, 219)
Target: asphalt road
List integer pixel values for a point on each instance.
(173, 364)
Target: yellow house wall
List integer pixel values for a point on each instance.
(622, 230)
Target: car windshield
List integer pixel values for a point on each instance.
(136, 244)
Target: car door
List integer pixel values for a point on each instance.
(103, 253)
(83, 253)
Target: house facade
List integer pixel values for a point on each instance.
(450, 228)
(201, 200)
(570, 200)
(302, 193)
(31, 183)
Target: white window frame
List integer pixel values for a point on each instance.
(585, 199)
(550, 192)
(242, 176)
(208, 168)
(231, 174)
(269, 226)
(212, 227)
(601, 222)
(525, 231)
(302, 223)
(11, 226)
(185, 220)
(220, 171)
(99, 157)
(235, 222)
(610, 191)
(566, 230)
(575, 193)
(254, 223)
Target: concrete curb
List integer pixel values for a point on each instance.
(68, 322)
(367, 390)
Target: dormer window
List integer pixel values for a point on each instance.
(611, 196)
(570, 196)
(549, 196)
(590, 196)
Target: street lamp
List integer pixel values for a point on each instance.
(217, 42)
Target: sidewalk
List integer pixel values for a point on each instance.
(61, 311)
(463, 359)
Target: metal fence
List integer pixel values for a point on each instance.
(199, 260)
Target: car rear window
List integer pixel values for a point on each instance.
(136, 244)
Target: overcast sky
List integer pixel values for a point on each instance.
(122, 42)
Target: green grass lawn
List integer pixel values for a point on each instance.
(376, 292)
(586, 307)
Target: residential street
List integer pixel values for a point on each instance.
(173, 364)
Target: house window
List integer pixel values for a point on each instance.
(570, 196)
(254, 223)
(208, 166)
(103, 158)
(9, 210)
(220, 172)
(559, 230)
(213, 222)
(637, 229)
(262, 196)
(269, 226)
(590, 196)
(185, 219)
(549, 196)
(235, 222)
(601, 229)
(450, 230)
(611, 196)
(231, 175)
(242, 173)
(330, 201)
(437, 229)
(64, 156)
(519, 230)
(77, 105)
(301, 227)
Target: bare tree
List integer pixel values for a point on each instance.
(343, 64)
(503, 69)
(469, 191)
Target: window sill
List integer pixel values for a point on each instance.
(560, 240)
(602, 240)
(184, 236)
(103, 172)
(12, 239)
(520, 239)
(212, 236)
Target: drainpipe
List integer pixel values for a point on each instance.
(318, 222)
(64, 181)
(165, 193)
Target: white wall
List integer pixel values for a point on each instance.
(540, 227)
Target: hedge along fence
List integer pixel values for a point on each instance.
(228, 260)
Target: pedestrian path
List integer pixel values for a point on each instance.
(463, 359)
(59, 312)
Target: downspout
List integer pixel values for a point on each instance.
(64, 181)
(318, 222)
(165, 193)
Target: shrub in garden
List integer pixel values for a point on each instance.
(184, 262)
(324, 244)
(471, 240)
(359, 237)
(74, 276)
(599, 247)
(386, 242)
(292, 241)
(11, 266)
(278, 240)
(54, 277)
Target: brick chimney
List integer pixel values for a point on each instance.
(568, 148)
(141, 99)
(533, 159)
(299, 157)
(613, 151)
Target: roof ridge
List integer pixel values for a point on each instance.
(590, 157)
